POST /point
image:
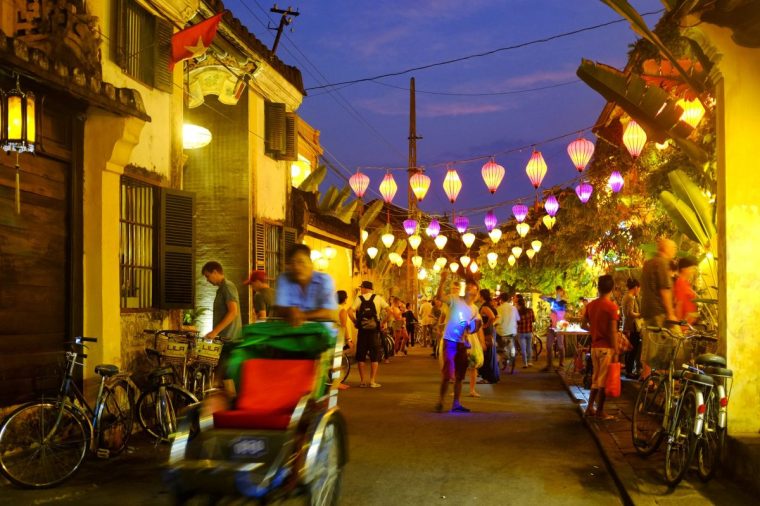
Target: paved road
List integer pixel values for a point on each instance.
(523, 444)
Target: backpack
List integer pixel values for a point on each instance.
(366, 316)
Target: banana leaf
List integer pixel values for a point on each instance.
(313, 180)
(652, 107)
(684, 218)
(691, 194)
(639, 26)
(370, 214)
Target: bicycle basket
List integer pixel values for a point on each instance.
(661, 350)
(207, 351)
(175, 353)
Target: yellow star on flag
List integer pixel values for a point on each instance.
(197, 50)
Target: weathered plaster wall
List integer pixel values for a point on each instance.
(738, 123)
(153, 152)
(270, 182)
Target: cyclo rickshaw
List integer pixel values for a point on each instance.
(284, 436)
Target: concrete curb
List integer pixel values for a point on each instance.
(618, 468)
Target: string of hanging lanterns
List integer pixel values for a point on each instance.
(580, 152)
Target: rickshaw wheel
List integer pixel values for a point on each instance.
(324, 487)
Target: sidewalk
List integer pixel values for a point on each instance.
(640, 479)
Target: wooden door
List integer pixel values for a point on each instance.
(38, 273)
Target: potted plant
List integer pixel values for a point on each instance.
(190, 318)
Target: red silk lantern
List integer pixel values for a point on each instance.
(452, 185)
(492, 174)
(536, 169)
(359, 183)
(634, 138)
(420, 184)
(551, 205)
(388, 188)
(580, 151)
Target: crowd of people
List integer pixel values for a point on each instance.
(468, 330)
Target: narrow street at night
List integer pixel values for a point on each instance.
(522, 443)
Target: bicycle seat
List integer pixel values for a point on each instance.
(719, 371)
(161, 372)
(106, 370)
(711, 359)
(702, 379)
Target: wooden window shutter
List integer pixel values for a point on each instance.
(289, 237)
(176, 250)
(259, 246)
(291, 138)
(274, 128)
(162, 77)
(119, 40)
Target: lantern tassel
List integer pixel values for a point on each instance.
(18, 186)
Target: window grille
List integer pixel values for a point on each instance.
(136, 244)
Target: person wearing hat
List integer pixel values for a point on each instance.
(365, 313)
(683, 293)
(264, 295)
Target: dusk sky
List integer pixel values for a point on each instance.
(366, 124)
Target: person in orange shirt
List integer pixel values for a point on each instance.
(683, 293)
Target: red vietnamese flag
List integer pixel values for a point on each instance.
(193, 42)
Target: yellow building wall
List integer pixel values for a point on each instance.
(270, 177)
(111, 143)
(738, 123)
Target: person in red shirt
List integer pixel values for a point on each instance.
(683, 293)
(601, 318)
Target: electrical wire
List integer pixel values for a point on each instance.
(480, 55)
(493, 94)
(339, 99)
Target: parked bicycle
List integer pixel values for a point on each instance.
(42, 443)
(158, 406)
(673, 404)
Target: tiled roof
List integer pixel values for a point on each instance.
(289, 72)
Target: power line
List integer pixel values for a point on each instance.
(339, 99)
(480, 55)
(496, 93)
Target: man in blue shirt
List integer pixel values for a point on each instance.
(303, 294)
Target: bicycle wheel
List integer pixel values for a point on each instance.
(538, 347)
(710, 445)
(326, 473)
(648, 414)
(158, 414)
(345, 367)
(33, 457)
(681, 440)
(116, 417)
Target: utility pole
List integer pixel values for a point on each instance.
(286, 17)
(411, 275)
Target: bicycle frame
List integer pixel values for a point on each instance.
(70, 392)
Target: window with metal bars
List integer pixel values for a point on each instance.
(137, 236)
(142, 44)
(272, 251)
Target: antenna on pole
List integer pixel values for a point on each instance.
(286, 17)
